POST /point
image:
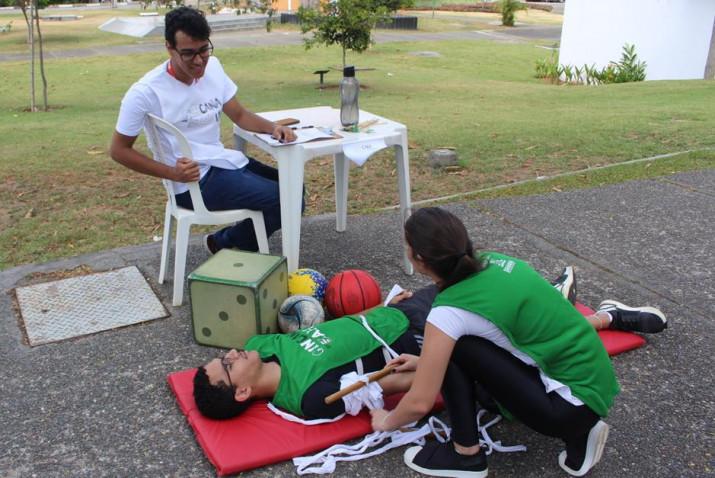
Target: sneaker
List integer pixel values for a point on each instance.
(440, 459)
(591, 448)
(566, 284)
(210, 244)
(634, 319)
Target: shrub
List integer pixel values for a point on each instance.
(508, 9)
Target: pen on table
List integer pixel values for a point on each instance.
(302, 127)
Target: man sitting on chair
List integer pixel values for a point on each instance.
(191, 90)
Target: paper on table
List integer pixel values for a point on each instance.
(396, 289)
(302, 136)
(359, 151)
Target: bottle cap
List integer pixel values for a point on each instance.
(349, 71)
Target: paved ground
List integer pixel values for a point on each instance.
(251, 38)
(99, 406)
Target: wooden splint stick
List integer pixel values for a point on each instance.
(358, 385)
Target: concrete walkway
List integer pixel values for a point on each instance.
(99, 406)
(255, 38)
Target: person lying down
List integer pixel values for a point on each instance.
(297, 371)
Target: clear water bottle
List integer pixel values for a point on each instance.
(349, 89)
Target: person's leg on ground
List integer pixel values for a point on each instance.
(462, 455)
(518, 387)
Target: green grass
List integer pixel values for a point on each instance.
(61, 195)
(74, 34)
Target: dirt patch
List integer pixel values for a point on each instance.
(41, 277)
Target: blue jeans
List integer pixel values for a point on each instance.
(252, 187)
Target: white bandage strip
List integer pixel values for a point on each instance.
(369, 396)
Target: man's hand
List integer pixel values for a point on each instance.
(284, 134)
(404, 363)
(186, 171)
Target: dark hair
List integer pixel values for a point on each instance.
(216, 401)
(188, 20)
(441, 241)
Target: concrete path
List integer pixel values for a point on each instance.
(99, 406)
(255, 38)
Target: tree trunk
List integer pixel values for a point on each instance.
(23, 8)
(344, 51)
(42, 58)
(32, 64)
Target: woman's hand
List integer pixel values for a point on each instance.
(404, 363)
(378, 419)
(405, 294)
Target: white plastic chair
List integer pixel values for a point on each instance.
(185, 218)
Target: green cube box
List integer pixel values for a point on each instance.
(236, 295)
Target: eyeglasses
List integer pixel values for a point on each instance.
(204, 52)
(225, 362)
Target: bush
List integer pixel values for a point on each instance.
(508, 9)
(627, 70)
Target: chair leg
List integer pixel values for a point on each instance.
(165, 243)
(180, 251)
(259, 227)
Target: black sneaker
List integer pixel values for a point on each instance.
(566, 284)
(648, 320)
(210, 244)
(589, 451)
(440, 459)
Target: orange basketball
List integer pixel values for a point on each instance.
(350, 292)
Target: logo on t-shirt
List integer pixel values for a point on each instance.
(205, 113)
(312, 340)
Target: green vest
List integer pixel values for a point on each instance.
(307, 354)
(539, 322)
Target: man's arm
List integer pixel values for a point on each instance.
(252, 122)
(122, 151)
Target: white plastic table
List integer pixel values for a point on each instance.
(291, 167)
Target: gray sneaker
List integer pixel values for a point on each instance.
(566, 284)
(647, 320)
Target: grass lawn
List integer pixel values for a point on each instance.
(63, 35)
(61, 195)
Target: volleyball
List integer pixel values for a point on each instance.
(299, 312)
(352, 291)
(307, 282)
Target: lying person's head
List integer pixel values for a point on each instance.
(223, 387)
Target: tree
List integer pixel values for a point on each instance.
(30, 10)
(508, 9)
(348, 23)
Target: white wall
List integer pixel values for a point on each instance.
(672, 36)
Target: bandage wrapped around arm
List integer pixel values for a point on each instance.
(369, 396)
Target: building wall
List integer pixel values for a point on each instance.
(674, 37)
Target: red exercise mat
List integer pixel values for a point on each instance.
(258, 437)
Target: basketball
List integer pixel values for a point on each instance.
(307, 282)
(352, 291)
(299, 312)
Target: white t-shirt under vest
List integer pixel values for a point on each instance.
(194, 109)
(457, 322)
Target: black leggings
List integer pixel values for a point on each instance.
(514, 384)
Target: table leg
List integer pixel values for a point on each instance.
(342, 170)
(291, 172)
(239, 143)
(403, 182)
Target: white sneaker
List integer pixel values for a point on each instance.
(594, 450)
(566, 284)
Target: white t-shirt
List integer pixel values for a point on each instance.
(194, 109)
(457, 322)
